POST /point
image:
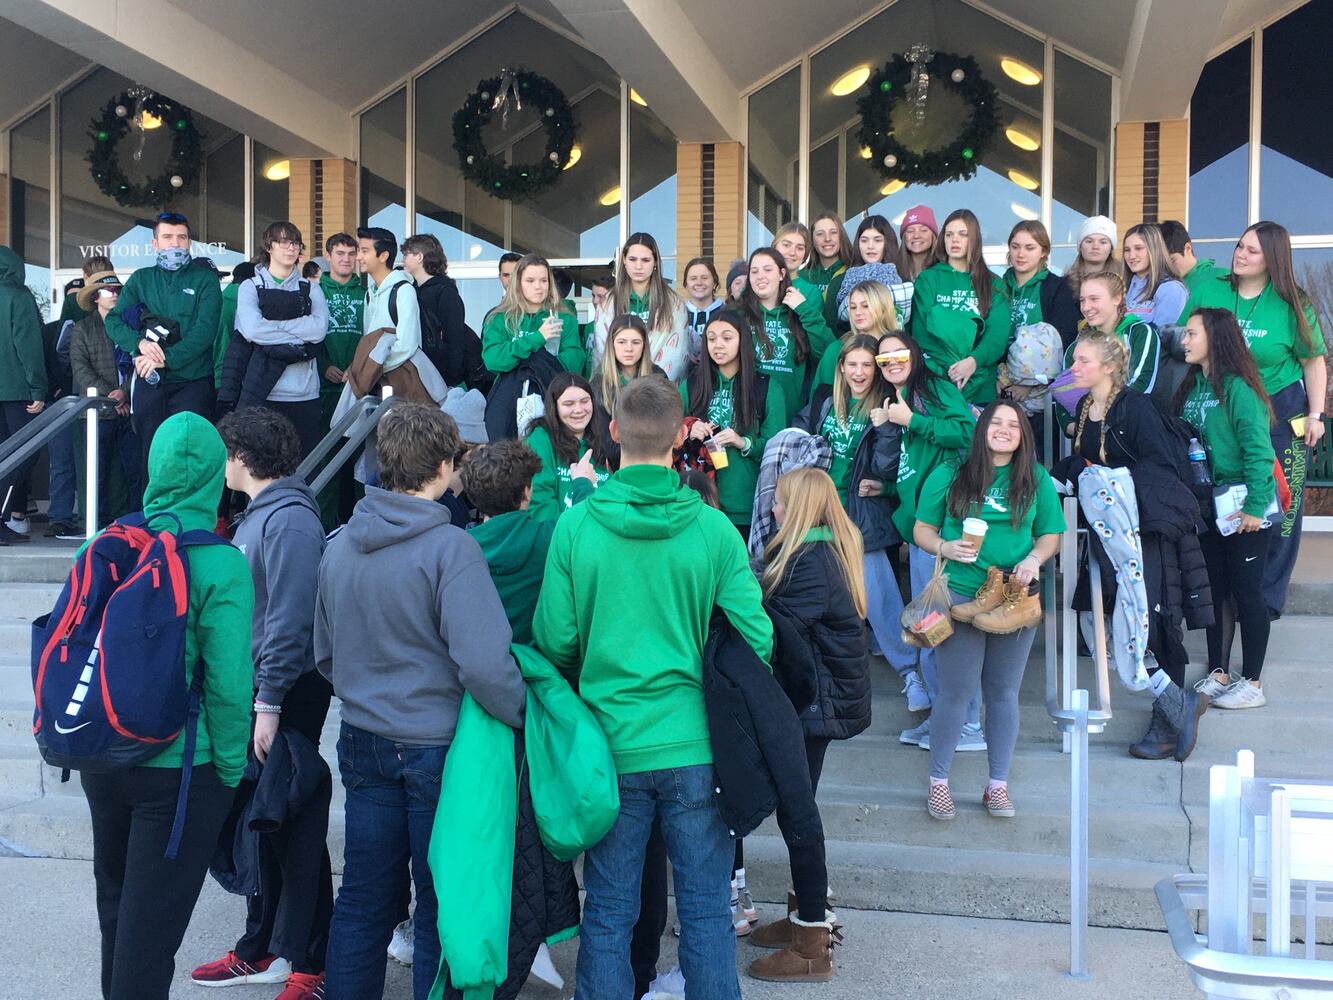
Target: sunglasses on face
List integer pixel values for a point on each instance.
(894, 358)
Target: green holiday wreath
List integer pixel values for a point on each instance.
(114, 124)
(489, 171)
(889, 85)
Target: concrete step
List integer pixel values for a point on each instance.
(43, 560)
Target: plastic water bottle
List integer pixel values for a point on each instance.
(1198, 462)
(153, 377)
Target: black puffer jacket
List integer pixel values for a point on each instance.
(1059, 307)
(876, 458)
(814, 596)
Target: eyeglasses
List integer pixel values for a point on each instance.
(896, 358)
(175, 218)
(289, 244)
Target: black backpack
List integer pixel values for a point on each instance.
(432, 343)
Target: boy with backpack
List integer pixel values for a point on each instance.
(406, 621)
(155, 823)
(279, 532)
(645, 540)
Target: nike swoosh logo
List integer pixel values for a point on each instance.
(1251, 558)
(63, 730)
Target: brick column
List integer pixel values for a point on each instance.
(301, 203)
(709, 223)
(1151, 172)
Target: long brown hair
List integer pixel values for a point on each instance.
(564, 442)
(608, 374)
(844, 244)
(1275, 242)
(1040, 236)
(882, 226)
(974, 477)
(811, 500)
(754, 311)
(1228, 354)
(983, 282)
(704, 380)
(662, 300)
(842, 392)
(1159, 264)
(796, 229)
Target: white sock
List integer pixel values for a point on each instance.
(994, 785)
(739, 880)
(1159, 682)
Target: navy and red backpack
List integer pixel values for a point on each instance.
(108, 662)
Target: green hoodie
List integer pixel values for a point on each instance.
(226, 324)
(345, 301)
(554, 490)
(1236, 436)
(1203, 269)
(502, 350)
(632, 579)
(822, 277)
(1269, 325)
(944, 322)
(811, 314)
(22, 359)
(1024, 299)
(736, 483)
(185, 475)
(191, 297)
(937, 434)
(514, 546)
(780, 366)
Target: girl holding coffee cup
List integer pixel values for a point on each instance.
(572, 446)
(530, 318)
(736, 410)
(937, 426)
(996, 608)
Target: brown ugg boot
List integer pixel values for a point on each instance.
(809, 959)
(1020, 608)
(988, 597)
(776, 933)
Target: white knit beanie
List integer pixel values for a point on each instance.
(1098, 225)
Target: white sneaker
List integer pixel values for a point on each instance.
(1212, 687)
(403, 943)
(19, 524)
(544, 968)
(913, 737)
(918, 699)
(970, 739)
(1241, 694)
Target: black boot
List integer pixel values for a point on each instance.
(1159, 742)
(1182, 709)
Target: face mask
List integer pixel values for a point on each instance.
(173, 258)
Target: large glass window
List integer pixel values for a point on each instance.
(652, 176)
(1082, 154)
(774, 151)
(1296, 156)
(384, 164)
(272, 172)
(30, 200)
(1220, 145)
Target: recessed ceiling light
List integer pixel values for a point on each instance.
(634, 96)
(1019, 71)
(893, 187)
(865, 153)
(851, 81)
(575, 154)
(1023, 180)
(611, 197)
(1022, 139)
(148, 120)
(279, 170)
(1023, 212)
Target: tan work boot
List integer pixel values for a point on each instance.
(808, 960)
(988, 597)
(776, 933)
(1019, 609)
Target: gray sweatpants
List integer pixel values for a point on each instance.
(997, 661)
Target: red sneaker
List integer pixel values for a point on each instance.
(232, 971)
(303, 986)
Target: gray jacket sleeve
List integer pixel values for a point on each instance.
(292, 551)
(474, 626)
(258, 330)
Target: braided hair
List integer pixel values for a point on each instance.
(1112, 351)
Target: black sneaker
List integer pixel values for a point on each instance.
(66, 530)
(8, 536)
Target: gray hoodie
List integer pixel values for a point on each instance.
(283, 539)
(407, 619)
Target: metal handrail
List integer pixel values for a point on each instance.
(352, 429)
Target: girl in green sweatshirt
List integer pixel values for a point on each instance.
(789, 332)
(572, 448)
(959, 314)
(736, 406)
(1224, 399)
(531, 318)
(832, 251)
(792, 240)
(870, 309)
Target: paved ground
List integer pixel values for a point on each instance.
(49, 948)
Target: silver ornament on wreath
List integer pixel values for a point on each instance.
(890, 161)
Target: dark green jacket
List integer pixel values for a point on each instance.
(191, 297)
(22, 360)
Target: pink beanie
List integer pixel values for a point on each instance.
(920, 215)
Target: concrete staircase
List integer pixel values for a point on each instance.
(1148, 819)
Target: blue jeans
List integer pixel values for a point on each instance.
(701, 851)
(884, 610)
(392, 790)
(921, 567)
(60, 457)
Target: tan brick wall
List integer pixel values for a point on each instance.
(1128, 175)
(340, 208)
(1171, 184)
(689, 204)
(301, 201)
(691, 212)
(1173, 170)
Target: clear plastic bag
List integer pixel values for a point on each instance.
(926, 620)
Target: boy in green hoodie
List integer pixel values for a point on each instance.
(346, 299)
(182, 293)
(497, 480)
(144, 901)
(645, 543)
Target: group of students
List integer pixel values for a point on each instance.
(834, 400)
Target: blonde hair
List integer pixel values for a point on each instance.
(1111, 349)
(514, 306)
(1159, 263)
(811, 500)
(1115, 284)
(881, 304)
(608, 375)
(797, 229)
(842, 392)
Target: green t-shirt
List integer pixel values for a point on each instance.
(843, 438)
(1005, 545)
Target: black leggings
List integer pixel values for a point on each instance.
(809, 871)
(1236, 565)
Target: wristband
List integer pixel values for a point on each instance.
(263, 709)
(746, 445)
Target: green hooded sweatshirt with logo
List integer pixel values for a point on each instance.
(502, 348)
(192, 297)
(554, 490)
(632, 578)
(779, 360)
(345, 300)
(1269, 325)
(946, 322)
(939, 433)
(186, 464)
(1235, 433)
(22, 358)
(822, 277)
(1024, 299)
